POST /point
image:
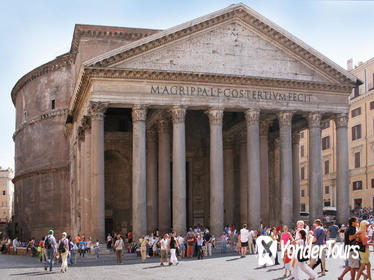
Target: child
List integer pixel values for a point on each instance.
(287, 264)
(97, 244)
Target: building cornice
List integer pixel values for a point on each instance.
(80, 30)
(42, 117)
(40, 172)
(89, 74)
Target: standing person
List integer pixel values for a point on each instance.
(164, 250)
(300, 263)
(118, 247)
(63, 249)
(173, 245)
(363, 242)
(50, 247)
(341, 233)
(199, 244)
(190, 244)
(208, 242)
(182, 247)
(82, 247)
(15, 245)
(251, 242)
(332, 233)
(108, 241)
(143, 248)
(274, 235)
(285, 238)
(77, 240)
(224, 242)
(89, 244)
(97, 246)
(244, 234)
(319, 236)
(71, 247)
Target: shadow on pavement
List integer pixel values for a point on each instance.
(35, 273)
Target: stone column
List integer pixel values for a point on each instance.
(296, 175)
(342, 169)
(277, 182)
(152, 207)
(83, 189)
(285, 132)
(253, 159)
(80, 179)
(97, 110)
(139, 177)
(216, 171)
(179, 171)
(228, 176)
(164, 204)
(264, 161)
(315, 167)
(243, 178)
(87, 176)
(272, 196)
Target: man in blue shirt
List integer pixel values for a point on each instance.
(50, 247)
(319, 238)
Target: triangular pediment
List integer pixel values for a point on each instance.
(233, 41)
(231, 49)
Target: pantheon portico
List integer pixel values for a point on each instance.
(199, 124)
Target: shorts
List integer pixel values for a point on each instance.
(352, 261)
(182, 247)
(164, 254)
(244, 244)
(365, 256)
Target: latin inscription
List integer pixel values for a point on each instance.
(244, 93)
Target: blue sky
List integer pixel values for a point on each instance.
(35, 32)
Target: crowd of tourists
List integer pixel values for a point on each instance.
(199, 243)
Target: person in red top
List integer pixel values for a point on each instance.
(129, 236)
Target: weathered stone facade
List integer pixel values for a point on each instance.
(174, 129)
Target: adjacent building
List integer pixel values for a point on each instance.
(140, 129)
(361, 146)
(6, 195)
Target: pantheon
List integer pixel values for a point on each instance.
(142, 129)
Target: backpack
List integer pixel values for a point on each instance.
(47, 243)
(61, 247)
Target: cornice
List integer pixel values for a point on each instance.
(40, 172)
(93, 31)
(45, 116)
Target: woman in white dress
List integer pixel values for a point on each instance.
(301, 269)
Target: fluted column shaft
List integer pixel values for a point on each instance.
(179, 170)
(243, 179)
(277, 182)
(253, 159)
(342, 170)
(164, 190)
(152, 197)
(87, 176)
(264, 161)
(98, 184)
(139, 178)
(228, 176)
(296, 175)
(315, 167)
(285, 125)
(216, 171)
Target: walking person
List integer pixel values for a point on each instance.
(208, 238)
(118, 247)
(199, 244)
(63, 249)
(143, 248)
(164, 243)
(274, 235)
(50, 247)
(300, 262)
(363, 242)
(244, 234)
(97, 247)
(173, 245)
(82, 247)
(286, 237)
(319, 236)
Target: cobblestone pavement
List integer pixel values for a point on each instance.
(229, 266)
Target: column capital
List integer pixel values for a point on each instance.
(215, 116)
(264, 127)
(341, 120)
(314, 119)
(295, 138)
(252, 116)
(139, 113)
(285, 118)
(178, 114)
(97, 110)
(164, 125)
(151, 135)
